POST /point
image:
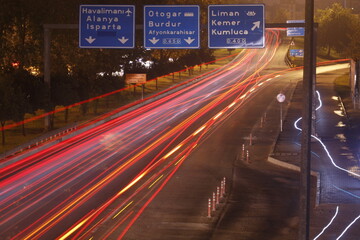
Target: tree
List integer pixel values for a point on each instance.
(6, 93)
(12, 102)
(335, 26)
(353, 49)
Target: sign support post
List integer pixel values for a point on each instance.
(281, 98)
(305, 164)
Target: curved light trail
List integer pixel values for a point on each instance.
(331, 221)
(336, 166)
(347, 228)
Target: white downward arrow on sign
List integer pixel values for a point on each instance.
(256, 25)
(90, 39)
(123, 40)
(154, 40)
(189, 40)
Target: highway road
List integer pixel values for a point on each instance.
(98, 183)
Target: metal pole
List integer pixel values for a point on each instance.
(47, 58)
(142, 92)
(281, 118)
(313, 130)
(305, 164)
(47, 80)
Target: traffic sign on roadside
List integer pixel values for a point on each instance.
(135, 78)
(107, 26)
(171, 26)
(297, 52)
(280, 97)
(236, 26)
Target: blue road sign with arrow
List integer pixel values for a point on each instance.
(236, 26)
(107, 26)
(295, 31)
(171, 26)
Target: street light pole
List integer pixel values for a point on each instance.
(305, 165)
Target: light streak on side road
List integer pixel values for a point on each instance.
(347, 228)
(331, 221)
(336, 166)
(323, 145)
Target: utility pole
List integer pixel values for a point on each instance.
(305, 165)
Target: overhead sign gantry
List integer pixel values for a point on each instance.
(295, 31)
(236, 26)
(107, 26)
(171, 26)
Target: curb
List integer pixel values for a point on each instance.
(297, 169)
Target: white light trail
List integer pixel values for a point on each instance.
(331, 221)
(357, 218)
(335, 165)
(323, 145)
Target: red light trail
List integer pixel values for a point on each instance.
(109, 174)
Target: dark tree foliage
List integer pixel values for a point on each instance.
(77, 74)
(336, 25)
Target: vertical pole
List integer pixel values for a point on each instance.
(214, 202)
(243, 151)
(357, 79)
(47, 69)
(313, 129)
(281, 118)
(143, 91)
(209, 208)
(305, 164)
(221, 189)
(217, 195)
(224, 182)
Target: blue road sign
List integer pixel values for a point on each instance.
(171, 26)
(107, 26)
(236, 26)
(297, 52)
(295, 31)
